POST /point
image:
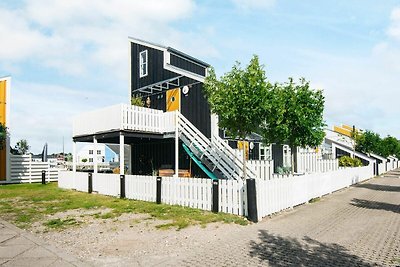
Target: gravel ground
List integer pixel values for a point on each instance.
(130, 238)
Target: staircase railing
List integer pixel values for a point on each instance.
(216, 151)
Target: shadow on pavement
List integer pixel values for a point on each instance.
(379, 187)
(375, 205)
(285, 251)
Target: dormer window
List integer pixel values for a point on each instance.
(143, 64)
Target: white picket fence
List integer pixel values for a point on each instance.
(273, 195)
(381, 168)
(24, 170)
(140, 187)
(308, 162)
(391, 165)
(262, 168)
(187, 192)
(282, 193)
(194, 193)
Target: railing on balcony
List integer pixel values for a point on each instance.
(124, 117)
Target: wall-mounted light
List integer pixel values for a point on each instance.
(185, 90)
(148, 101)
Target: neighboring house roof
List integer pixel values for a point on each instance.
(344, 143)
(332, 136)
(377, 156)
(357, 154)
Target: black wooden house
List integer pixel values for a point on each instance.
(167, 79)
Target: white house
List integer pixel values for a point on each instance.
(102, 152)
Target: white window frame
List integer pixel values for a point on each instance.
(143, 64)
(265, 152)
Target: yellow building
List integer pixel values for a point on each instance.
(5, 84)
(345, 130)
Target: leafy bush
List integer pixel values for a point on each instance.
(284, 170)
(357, 162)
(137, 101)
(347, 161)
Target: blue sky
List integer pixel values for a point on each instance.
(67, 57)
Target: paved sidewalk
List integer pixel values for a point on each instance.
(358, 226)
(19, 248)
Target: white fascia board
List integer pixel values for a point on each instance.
(180, 71)
(377, 156)
(148, 44)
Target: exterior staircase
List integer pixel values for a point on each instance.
(215, 154)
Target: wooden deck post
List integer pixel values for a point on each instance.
(121, 154)
(176, 144)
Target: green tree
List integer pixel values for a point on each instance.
(294, 116)
(237, 98)
(390, 146)
(368, 142)
(22, 147)
(3, 135)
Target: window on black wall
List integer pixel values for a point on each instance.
(143, 64)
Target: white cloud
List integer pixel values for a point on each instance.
(80, 39)
(361, 91)
(253, 4)
(72, 36)
(394, 29)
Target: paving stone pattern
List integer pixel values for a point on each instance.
(19, 248)
(357, 226)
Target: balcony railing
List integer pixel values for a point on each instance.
(124, 117)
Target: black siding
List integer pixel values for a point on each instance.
(277, 155)
(185, 64)
(195, 108)
(156, 71)
(254, 154)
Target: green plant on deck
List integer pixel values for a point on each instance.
(137, 101)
